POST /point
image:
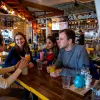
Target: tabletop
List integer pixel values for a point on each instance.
(46, 87)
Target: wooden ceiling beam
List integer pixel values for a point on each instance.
(40, 7)
(15, 7)
(26, 14)
(3, 11)
(11, 2)
(20, 9)
(38, 11)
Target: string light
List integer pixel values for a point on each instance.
(3, 7)
(10, 11)
(15, 27)
(23, 18)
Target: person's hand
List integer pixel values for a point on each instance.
(38, 60)
(16, 66)
(23, 63)
(53, 74)
(45, 62)
(48, 69)
(30, 65)
(56, 73)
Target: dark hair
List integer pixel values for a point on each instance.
(25, 47)
(1, 39)
(70, 34)
(53, 39)
(55, 48)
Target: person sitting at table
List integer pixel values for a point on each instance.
(51, 51)
(5, 83)
(19, 50)
(72, 57)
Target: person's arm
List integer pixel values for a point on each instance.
(7, 70)
(9, 58)
(4, 83)
(83, 59)
(58, 63)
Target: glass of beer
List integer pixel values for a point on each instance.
(25, 70)
(27, 57)
(52, 69)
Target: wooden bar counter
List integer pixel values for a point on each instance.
(46, 87)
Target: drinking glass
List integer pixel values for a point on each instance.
(66, 82)
(52, 69)
(41, 56)
(27, 57)
(96, 94)
(25, 70)
(39, 65)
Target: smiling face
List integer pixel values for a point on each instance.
(19, 40)
(49, 44)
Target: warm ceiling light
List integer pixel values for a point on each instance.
(23, 18)
(12, 12)
(4, 7)
(88, 21)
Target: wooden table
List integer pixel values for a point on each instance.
(45, 87)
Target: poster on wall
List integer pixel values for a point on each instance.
(59, 26)
(63, 25)
(55, 26)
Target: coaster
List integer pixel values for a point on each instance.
(80, 91)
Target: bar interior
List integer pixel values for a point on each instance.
(49, 49)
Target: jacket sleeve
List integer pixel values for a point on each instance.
(7, 70)
(83, 58)
(9, 58)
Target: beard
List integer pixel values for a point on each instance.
(63, 46)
